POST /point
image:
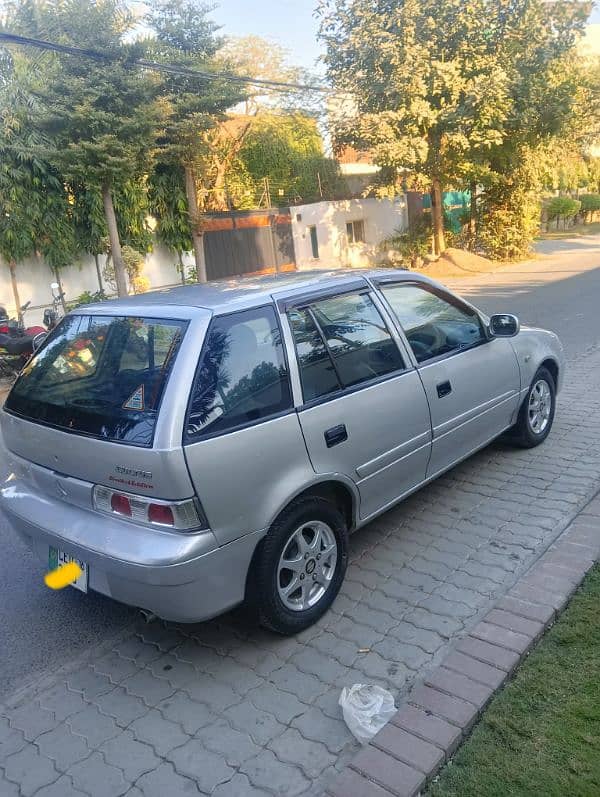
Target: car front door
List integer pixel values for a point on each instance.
(472, 381)
(364, 411)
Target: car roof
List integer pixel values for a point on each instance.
(244, 292)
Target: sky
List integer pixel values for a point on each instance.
(290, 23)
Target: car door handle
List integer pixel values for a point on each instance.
(444, 389)
(335, 435)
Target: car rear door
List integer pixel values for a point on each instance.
(242, 438)
(472, 381)
(364, 412)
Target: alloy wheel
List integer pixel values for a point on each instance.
(307, 565)
(540, 406)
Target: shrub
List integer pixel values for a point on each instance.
(508, 221)
(562, 207)
(87, 297)
(134, 265)
(191, 277)
(590, 204)
(408, 248)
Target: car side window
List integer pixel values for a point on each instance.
(342, 342)
(433, 324)
(242, 376)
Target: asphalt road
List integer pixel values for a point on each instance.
(560, 290)
(41, 630)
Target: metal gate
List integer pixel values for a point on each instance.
(248, 242)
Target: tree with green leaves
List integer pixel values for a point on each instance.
(209, 122)
(553, 108)
(437, 85)
(91, 232)
(35, 211)
(287, 149)
(101, 115)
(185, 34)
(562, 207)
(169, 206)
(225, 176)
(17, 173)
(590, 205)
(132, 209)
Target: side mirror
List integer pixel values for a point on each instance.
(504, 325)
(50, 318)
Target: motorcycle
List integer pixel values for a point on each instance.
(18, 342)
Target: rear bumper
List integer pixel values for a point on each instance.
(179, 577)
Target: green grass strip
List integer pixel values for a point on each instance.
(541, 734)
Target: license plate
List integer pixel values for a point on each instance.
(56, 558)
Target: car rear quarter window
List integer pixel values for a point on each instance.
(100, 375)
(242, 376)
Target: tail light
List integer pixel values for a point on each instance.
(120, 504)
(179, 515)
(161, 513)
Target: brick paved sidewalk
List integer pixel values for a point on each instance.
(439, 712)
(224, 709)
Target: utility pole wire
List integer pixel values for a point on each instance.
(174, 69)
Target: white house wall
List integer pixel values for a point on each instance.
(381, 218)
(34, 277)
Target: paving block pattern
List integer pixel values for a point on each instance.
(452, 574)
(456, 691)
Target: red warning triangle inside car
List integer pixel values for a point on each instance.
(136, 400)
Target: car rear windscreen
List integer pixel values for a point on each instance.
(100, 375)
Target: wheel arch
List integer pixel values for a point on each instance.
(337, 492)
(335, 489)
(537, 348)
(552, 365)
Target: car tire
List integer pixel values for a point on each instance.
(536, 415)
(300, 566)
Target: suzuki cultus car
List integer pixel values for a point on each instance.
(209, 445)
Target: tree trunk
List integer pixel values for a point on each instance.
(60, 290)
(437, 217)
(219, 200)
(12, 267)
(272, 242)
(98, 273)
(181, 268)
(192, 201)
(115, 243)
(473, 215)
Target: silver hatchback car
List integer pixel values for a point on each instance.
(203, 446)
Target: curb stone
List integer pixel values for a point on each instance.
(439, 712)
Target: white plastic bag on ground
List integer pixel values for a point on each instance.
(366, 709)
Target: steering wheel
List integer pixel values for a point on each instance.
(426, 340)
(420, 350)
